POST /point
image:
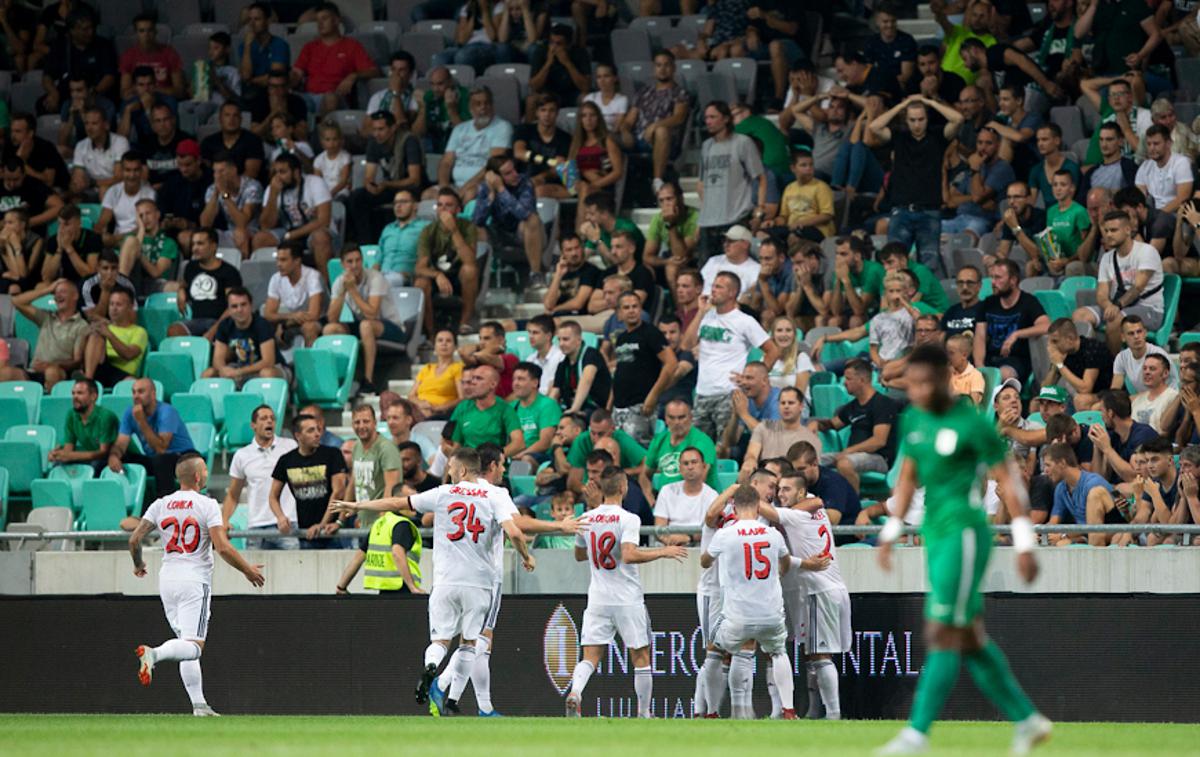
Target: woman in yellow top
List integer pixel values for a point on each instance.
(438, 385)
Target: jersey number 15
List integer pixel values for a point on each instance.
(755, 555)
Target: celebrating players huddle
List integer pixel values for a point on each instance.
(770, 574)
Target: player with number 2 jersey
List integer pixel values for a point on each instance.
(191, 528)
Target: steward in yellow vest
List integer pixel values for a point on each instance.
(394, 543)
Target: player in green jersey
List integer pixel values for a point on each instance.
(947, 446)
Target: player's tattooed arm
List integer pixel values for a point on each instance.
(135, 546)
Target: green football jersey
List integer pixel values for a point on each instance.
(952, 453)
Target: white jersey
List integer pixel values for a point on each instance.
(809, 536)
(749, 569)
(709, 584)
(466, 525)
(505, 510)
(183, 520)
(613, 581)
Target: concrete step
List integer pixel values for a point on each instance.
(401, 386)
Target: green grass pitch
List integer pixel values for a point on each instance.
(178, 735)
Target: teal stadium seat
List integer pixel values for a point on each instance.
(45, 437)
(174, 371)
(523, 485)
(194, 408)
(125, 389)
(517, 343)
(73, 474)
(274, 392)
(133, 483)
(198, 348)
(117, 404)
(45, 492)
(103, 506)
(216, 389)
(23, 460)
(325, 372)
(28, 391)
(204, 440)
(827, 398)
(1172, 285)
(3, 496)
(53, 411)
(160, 310)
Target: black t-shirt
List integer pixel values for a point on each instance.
(384, 156)
(1158, 225)
(182, 198)
(94, 62)
(90, 291)
(44, 155)
(586, 275)
(559, 146)
(260, 108)
(1033, 225)
(31, 195)
(1057, 51)
(638, 365)
(789, 10)
(1002, 321)
(1002, 73)
(247, 147)
(917, 168)
(862, 420)
(1020, 19)
(566, 378)
(206, 289)
(311, 480)
(89, 243)
(425, 484)
(245, 344)
(958, 319)
(558, 81)
(837, 493)
(643, 281)
(949, 88)
(1092, 353)
(160, 158)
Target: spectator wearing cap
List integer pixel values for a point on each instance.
(97, 158)
(806, 208)
(976, 195)
(1050, 401)
(733, 182)
(735, 259)
(328, 67)
(915, 185)
(119, 206)
(1115, 442)
(394, 163)
(1084, 364)
(1022, 434)
(1156, 405)
(181, 198)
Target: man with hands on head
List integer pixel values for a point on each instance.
(446, 259)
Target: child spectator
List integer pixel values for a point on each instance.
(334, 162)
(562, 506)
(283, 127)
(965, 379)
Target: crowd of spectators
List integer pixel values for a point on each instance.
(805, 235)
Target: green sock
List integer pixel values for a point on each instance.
(937, 679)
(989, 669)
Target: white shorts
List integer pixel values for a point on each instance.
(187, 605)
(829, 630)
(795, 611)
(458, 610)
(494, 608)
(732, 635)
(708, 609)
(602, 624)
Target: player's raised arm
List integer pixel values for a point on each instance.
(902, 495)
(229, 554)
(135, 546)
(1010, 486)
(385, 505)
(517, 536)
(712, 518)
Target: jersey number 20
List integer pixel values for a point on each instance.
(185, 537)
(754, 555)
(463, 516)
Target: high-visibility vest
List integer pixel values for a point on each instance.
(381, 571)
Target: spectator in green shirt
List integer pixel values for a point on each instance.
(1068, 221)
(665, 447)
(776, 150)
(537, 413)
(91, 429)
(894, 257)
(483, 417)
(447, 104)
(855, 286)
(601, 426)
(599, 221)
(148, 255)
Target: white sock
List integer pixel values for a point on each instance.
(814, 692)
(741, 679)
(776, 707)
(434, 654)
(581, 675)
(715, 677)
(193, 681)
(481, 676)
(643, 684)
(827, 680)
(176, 649)
(699, 703)
(781, 671)
(459, 670)
(724, 686)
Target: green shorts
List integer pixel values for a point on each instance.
(957, 564)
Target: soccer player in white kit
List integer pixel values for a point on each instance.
(828, 629)
(753, 557)
(191, 528)
(491, 462)
(468, 517)
(616, 603)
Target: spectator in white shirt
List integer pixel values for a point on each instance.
(736, 260)
(97, 158)
(1127, 367)
(369, 297)
(297, 206)
(685, 502)
(612, 104)
(546, 354)
(1165, 175)
(1129, 281)
(119, 206)
(1154, 405)
(295, 295)
(251, 467)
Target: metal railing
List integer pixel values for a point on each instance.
(1070, 530)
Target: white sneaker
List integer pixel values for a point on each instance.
(204, 711)
(145, 657)
(833, 715)
(908, 741)
(1030, 732)
(573, 705)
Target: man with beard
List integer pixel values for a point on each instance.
(90, 430)
(297, 206)
(1010, 320)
